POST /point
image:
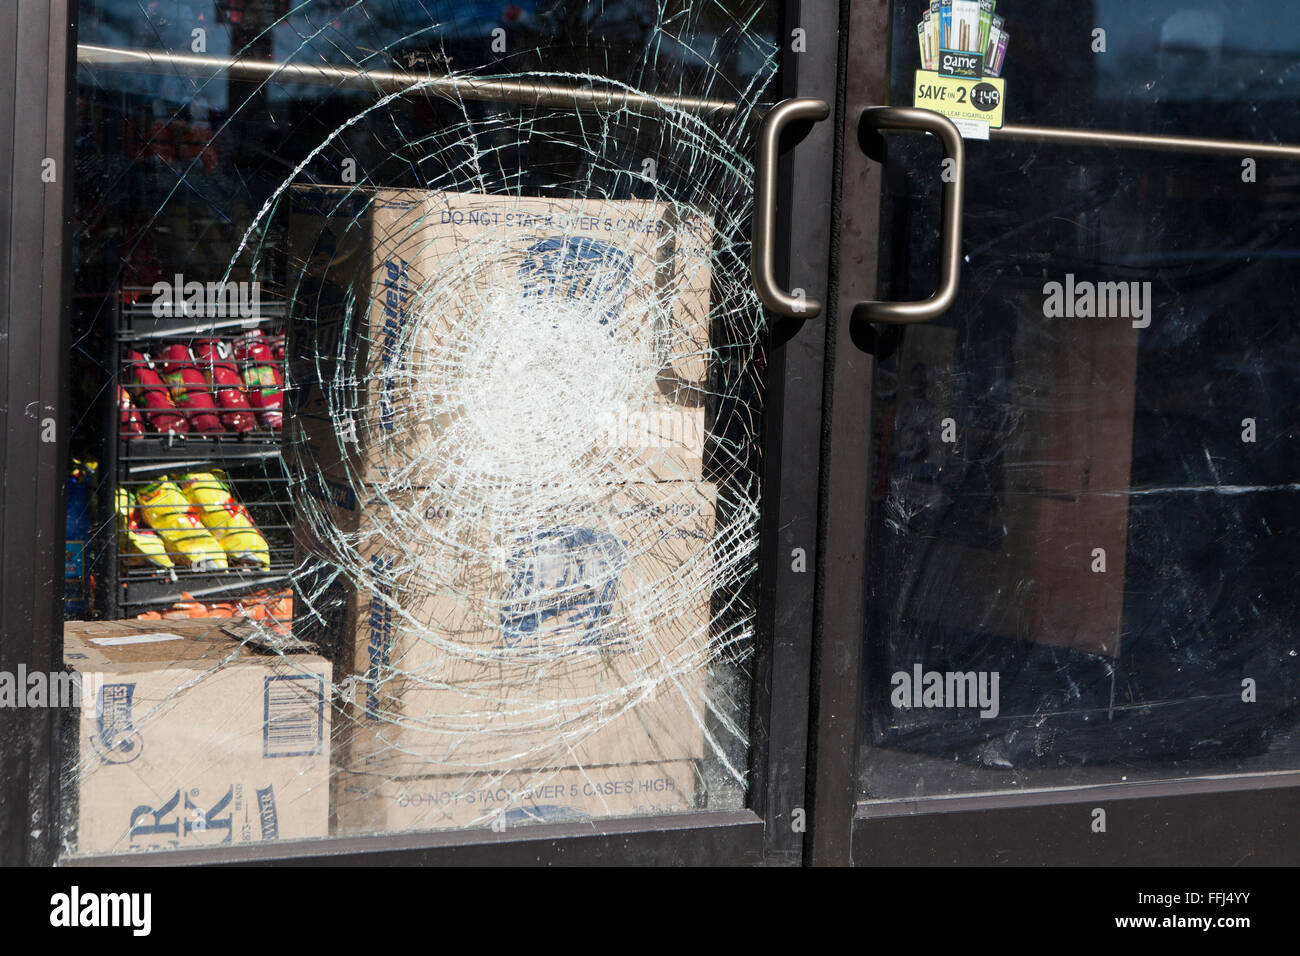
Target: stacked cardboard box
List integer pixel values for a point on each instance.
(570, 641)
(377, 803)
(545, 655)
(453, 307)
(187, 738)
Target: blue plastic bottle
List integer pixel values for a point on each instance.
(77, 529)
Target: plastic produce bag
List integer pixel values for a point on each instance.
(166, 510)
(226, 519)
(142, 545)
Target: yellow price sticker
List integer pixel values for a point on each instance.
(972, 100)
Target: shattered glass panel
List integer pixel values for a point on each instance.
(418, 403)
(1083, 544)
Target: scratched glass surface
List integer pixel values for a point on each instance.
(1092, 503)
(425, 422)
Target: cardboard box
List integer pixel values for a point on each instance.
(521, 638)
(497, 335)
(1027, 569)
(185, 738)
(1078, 503)
(367, 803)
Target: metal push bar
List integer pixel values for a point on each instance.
(536, 92)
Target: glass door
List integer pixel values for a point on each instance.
(431, 462)
(1064, 601)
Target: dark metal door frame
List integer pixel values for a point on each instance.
(37, 44)
(35, 279)
(793, 435)
(842, 521)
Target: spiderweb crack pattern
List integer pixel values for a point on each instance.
(548, 448)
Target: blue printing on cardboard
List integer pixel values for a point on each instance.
(379, 645)
(577, 267)
(267, 815)
(397, 294)
(194, 820)
(116, 739)
(576, 571)
(334, 493)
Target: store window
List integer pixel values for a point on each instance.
(417, 400)
(1083, 506)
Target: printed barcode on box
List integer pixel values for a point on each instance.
(294, 716)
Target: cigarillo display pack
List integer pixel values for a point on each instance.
(969, 27)
(963, 45)
(998, 51)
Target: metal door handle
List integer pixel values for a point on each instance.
(926, 121)
(763, 234)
